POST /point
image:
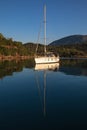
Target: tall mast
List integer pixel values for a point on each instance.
(45, 28)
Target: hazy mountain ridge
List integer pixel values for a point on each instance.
(73, 39)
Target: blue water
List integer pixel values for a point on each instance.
(29, 102)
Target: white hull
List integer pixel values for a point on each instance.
(41, 60)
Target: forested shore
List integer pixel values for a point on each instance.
(10, 49)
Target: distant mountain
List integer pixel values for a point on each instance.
(73, 39)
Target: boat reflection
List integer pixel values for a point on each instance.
(50, 66)
(44, 68)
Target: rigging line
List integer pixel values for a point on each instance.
(38, 38)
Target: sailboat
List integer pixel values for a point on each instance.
(48, 57)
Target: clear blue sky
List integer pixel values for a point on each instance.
(20, 19)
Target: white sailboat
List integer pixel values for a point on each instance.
(49, 57)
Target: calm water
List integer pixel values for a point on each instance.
(43, 99)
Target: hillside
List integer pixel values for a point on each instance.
(10, 49)
(71, 46)
(73, 39)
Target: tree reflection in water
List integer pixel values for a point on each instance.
(69, 66)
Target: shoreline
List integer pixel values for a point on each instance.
(15, 57)
(73, 58)
(28, 57)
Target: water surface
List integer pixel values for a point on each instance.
(54, 98)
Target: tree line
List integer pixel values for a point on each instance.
(8, 47)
